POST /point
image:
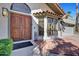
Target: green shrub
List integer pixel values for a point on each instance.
(6, 46)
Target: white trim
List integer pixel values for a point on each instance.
(12, 11)
(22, 41)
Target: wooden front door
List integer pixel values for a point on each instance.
(20, 26)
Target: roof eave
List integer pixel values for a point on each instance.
(57, 9)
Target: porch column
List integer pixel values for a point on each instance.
(45, 28)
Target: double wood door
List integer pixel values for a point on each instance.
(20, 26)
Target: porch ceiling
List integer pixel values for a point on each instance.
(46, 13)
(56, 8)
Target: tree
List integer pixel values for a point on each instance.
(66, 15)
(61, 23)
(76, 25)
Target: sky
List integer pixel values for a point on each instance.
(69, 7)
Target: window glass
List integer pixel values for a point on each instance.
(21, 7)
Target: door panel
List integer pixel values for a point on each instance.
(20, 26)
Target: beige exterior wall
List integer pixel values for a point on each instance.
(36, 6)
(4, 20)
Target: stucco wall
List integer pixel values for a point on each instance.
(67, 31)
(4, 20)
(42, 6)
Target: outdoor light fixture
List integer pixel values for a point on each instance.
(4, 11)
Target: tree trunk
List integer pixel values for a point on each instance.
(76, 25)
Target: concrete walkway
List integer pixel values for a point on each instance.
(74, 39)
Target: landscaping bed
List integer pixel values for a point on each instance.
(65, 48)
(58, 47)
